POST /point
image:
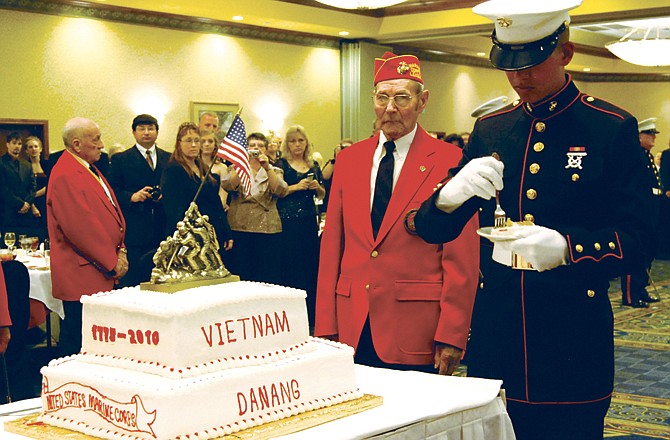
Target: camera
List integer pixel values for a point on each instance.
(155, 192)
(254, 153)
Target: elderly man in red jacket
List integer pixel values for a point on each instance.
(400, 302)
(86, 228)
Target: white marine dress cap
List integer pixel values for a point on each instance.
(647, 126)
(489, 107)
(526, 31)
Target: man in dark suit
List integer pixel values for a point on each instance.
(86, 228)
(135, 175)
(18, 188)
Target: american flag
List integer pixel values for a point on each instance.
(233, 148)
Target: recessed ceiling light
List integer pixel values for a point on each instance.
(481, 54)
(587, 69)
(238, 18)
(344, 33)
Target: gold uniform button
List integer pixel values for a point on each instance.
(597, 246)
(590, 99)
(367, 287)
(439, 185)
(531, 194)
(529, 218)
(534, 168)
(540, 127)
(481, 285)
(579, 248)
(516, 102)
(539, 146)
(120, 229)
(590, 293)
(612, 245)
(374, 254)
(575, 177)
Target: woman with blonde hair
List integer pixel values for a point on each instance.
(300, 226)
(181, 180)
(32, 150)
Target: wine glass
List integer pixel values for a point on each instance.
(10, 240)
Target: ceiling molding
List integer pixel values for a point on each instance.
(76, 8)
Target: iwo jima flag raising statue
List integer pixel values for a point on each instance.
(190, 257)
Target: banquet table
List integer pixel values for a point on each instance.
(40, 283)
(415, 406)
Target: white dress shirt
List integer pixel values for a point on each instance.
(401, 149)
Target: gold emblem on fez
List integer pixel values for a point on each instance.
(403, 68)
(504, 22)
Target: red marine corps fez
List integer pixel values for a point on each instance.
(392, 66)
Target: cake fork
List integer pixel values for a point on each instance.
(499, 215)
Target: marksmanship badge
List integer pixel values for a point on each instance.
(575, 155)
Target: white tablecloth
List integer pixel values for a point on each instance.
(40, 284)
(416, 406)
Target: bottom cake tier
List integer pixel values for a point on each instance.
(115, 403)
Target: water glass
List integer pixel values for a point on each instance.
(10, 240)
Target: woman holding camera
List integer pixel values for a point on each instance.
(300, 227)
(255, 220)
(181, 180)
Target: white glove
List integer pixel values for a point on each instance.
(480, 177)
(542, 247)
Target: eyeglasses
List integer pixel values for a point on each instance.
(190, 141)
(400, 101)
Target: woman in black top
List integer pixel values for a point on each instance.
(300, 227)
(180, 181)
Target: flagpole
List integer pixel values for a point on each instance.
(209, 171)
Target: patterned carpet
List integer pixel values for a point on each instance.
(640, 407)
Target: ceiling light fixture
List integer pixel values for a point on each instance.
(651, 52)
(360, 4)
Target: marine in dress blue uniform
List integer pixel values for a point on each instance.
(634, 285)
(571, 164)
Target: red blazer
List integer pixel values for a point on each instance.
(5, 320)
(84, 227)
(414, 292)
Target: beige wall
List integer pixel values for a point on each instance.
(643, 100)
(56, 68)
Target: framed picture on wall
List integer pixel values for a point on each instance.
(225, 111)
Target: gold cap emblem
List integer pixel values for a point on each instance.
(403, 68)
(504, 22)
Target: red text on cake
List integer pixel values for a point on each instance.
(251, 327)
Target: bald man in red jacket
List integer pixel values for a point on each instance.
(86, 228)
(400, 302)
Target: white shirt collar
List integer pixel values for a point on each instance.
(401, 144)
(144, 150)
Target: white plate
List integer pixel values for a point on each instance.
(486, 233)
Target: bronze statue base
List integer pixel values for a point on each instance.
(183, 285)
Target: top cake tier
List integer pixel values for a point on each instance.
(194, 331)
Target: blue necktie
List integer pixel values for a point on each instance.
(383, 187)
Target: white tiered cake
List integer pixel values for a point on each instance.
(199, 363)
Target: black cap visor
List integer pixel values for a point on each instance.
(523, 56)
